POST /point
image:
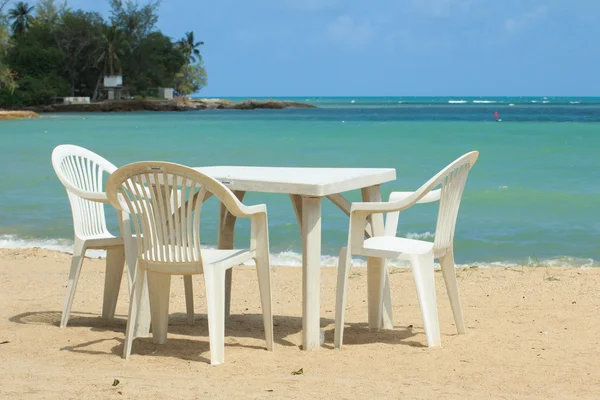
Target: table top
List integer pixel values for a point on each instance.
(318, 182)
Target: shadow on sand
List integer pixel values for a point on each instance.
(237, 326)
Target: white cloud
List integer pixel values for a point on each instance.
(525, 20)
(407, 40)
(349, 33)
(447, 8)
(311, 5)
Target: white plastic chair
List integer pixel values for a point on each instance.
(81, 171)
(421, 254)
(168, 243)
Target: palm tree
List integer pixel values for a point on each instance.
(112, 48)
(189, 47)
(22, 18)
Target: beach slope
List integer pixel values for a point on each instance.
(533, 333)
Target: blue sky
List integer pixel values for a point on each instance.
(391, 47)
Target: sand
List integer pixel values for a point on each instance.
(533, 333)
(8, 115)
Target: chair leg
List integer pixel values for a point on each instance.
(134, 307)
(376, 273)
(228, 286)
(115, 264)
(214, 279)
(76, 262)
(263, 270)
(159, 288)
(189, 298)
(388, 319)
(447, 264)
(340, 303)
(422, 267)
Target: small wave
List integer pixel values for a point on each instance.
(574, 102)
(534, 101)
(292, 259)
(546, 101)
(511, 105)
(420, 236)
(484, 101)
(353, 101)
(62, 245)
(503, 187)
(457, 101)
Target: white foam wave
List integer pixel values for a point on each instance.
(511, 105)
(574, 102)
(484, 101)
(534, 101)
(546, 101)
(292, 259)
(457, 101)
(62, 245)
(420, 236)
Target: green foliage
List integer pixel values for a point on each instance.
(137, 21)
(51, 12)
(190, 79)
(79, 38)
(192, 76)
(36, 63)
(189, 48)
(6, 79)
(155, 62)
(22, 17)
(35, 90)
(112, 47)
(64, 52)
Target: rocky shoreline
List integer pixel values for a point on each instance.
(167, 105)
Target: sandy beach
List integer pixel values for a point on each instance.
(533, 333)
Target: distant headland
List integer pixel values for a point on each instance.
(178, 104)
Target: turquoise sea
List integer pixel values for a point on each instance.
(533, 196)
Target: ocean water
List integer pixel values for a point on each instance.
(533, 197)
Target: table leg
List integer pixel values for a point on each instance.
(297, 204)
(311, 272)
(378, 286)
(225, 241)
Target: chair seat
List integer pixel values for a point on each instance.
(215, 257)
(394, 247)
(103, 241)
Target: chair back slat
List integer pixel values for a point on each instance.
(452, 187)
(79, 168)
(451, 180)
(164, 201)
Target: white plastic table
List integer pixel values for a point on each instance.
(306, 188)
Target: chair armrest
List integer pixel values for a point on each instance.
(99, 197)
(432, 196)
(250, 211)
(259, 232)
(391, 219)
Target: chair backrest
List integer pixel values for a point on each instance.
(164, 201)
(452, 180)
(81, 172)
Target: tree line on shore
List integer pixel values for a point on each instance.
(49, 50)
